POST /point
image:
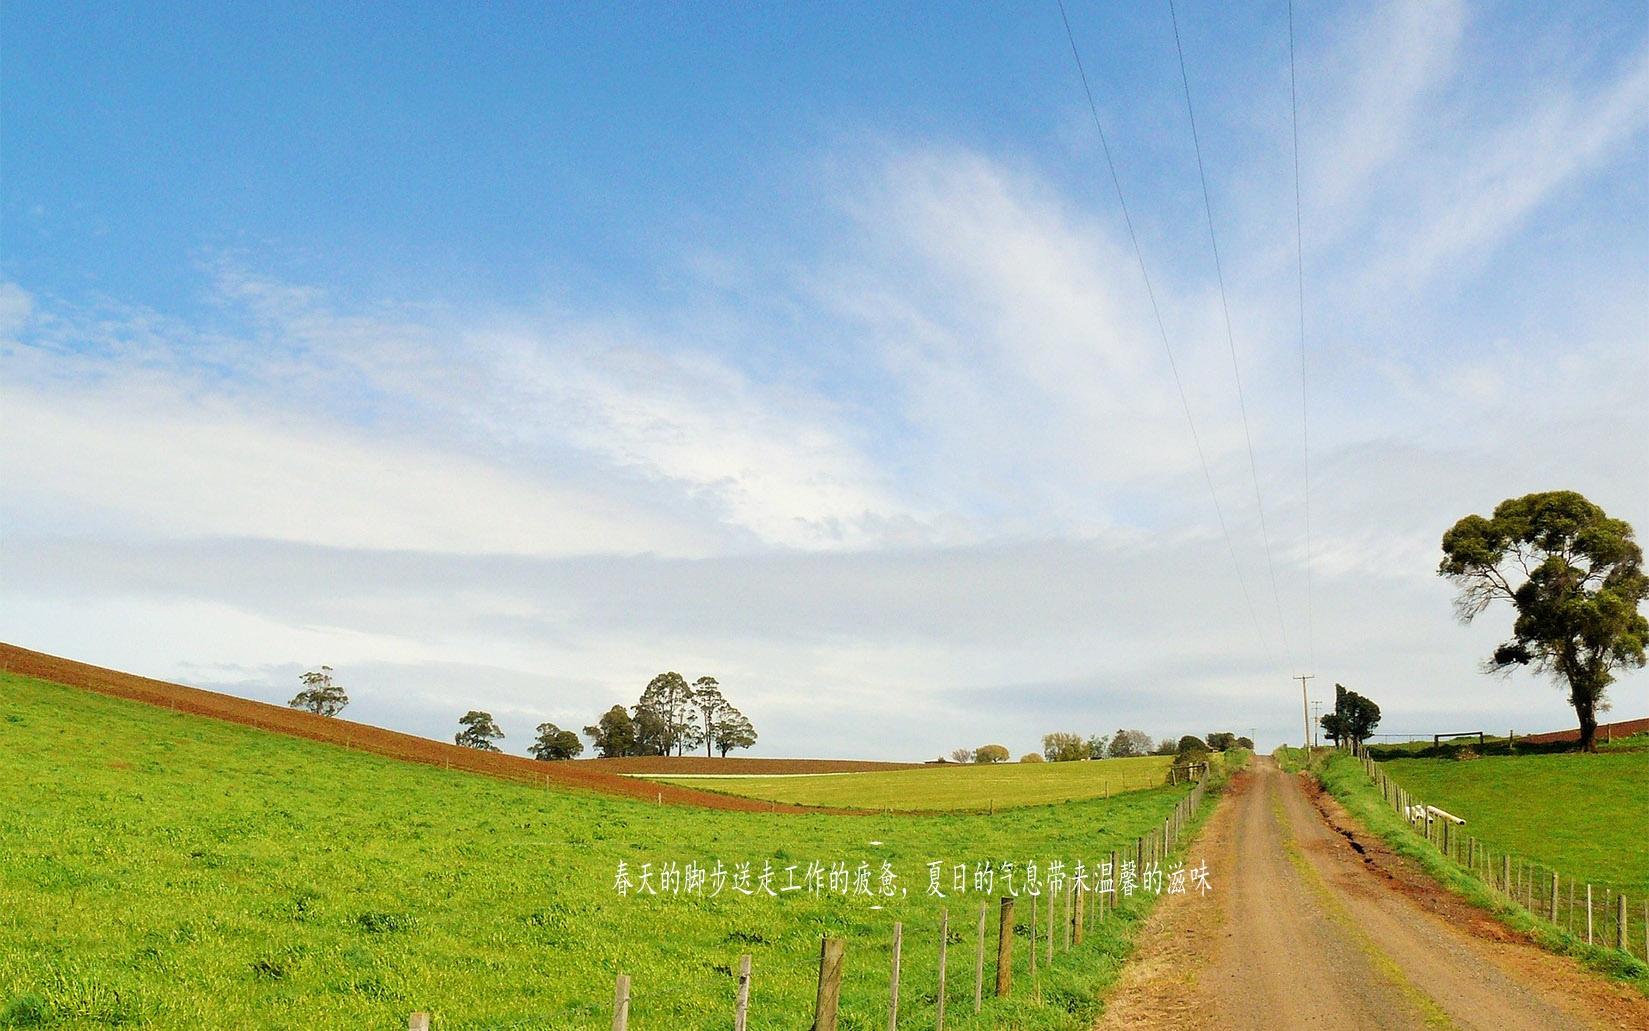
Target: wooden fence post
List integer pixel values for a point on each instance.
(830, 984)
(621, 1003)
(1620, 922)
(979, 963)
(893, 983)
(1033, 939)
(1051, 908)
(1004, 949)
(1553, 908)
(1588, 913)
(741, 1006)
(1080, 892)
(1506, 875)
(418, 1022)
(1070, 894)
(944, 942)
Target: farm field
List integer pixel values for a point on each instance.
(1585, 815)
(168, 870)
(961, 787)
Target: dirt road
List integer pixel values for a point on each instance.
(1313, 925)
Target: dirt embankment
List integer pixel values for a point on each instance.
(1315, 924)
(593, 775)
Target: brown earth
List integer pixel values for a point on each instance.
(1314, 924)
(698, 765)
(1605, 732)
(594, 775)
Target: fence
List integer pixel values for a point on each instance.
(1597, 914)
(1053, 924)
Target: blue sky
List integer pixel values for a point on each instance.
(503, 357)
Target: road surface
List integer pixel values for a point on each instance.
(1312, 924)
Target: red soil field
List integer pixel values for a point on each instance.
(1605, 732)
(594, 775)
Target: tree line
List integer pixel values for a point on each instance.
(672, 716)
(1062, 746)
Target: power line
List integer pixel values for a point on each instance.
(1230, 338)
(1305, 408)
(1162, 331)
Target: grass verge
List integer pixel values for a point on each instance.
(1343, 777)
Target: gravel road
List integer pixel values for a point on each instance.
(1313, 924)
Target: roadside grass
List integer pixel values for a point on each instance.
(984, 786)
(1586, 815)
(162, 869)
(1343, 777)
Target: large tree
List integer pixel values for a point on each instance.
(1575, 579)
(1060, 747)
(732, 730)
(1126, 743)
(1353, 719)
(479, 731)
(320, 695)
(711, 705)
(553, 743)
(614, 734)
(669, 698)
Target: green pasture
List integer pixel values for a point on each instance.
(979, 786)
(164, 870)
(1585, 815)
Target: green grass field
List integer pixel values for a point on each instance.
(1345, 778)
(987, 786)
(171, 871)
(1585, 815)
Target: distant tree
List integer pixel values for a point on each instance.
(1060, 747)
(990, 754)
(669, 698)
(479, 731)
(1245, 742)
(614, 734)
(1333, 726)
(1031, 757)
(1097, 744)
(1126, 743)
(1167, 746)
(1575, 578)
(320, 695)
(652, 733)
(1353, 719)
(708, 700)
(1191, 748)
(554, 743)
(961, 755)
(1220, 740)
(732, 730)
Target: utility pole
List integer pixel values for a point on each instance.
(1305, 704)
(1316, 719)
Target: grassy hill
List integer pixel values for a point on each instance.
(972, 787)
(170, 870)
(1586, 815)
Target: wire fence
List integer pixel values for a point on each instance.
(1598, 914)
(1049, 924)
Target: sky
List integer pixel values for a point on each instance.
(502, 357)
